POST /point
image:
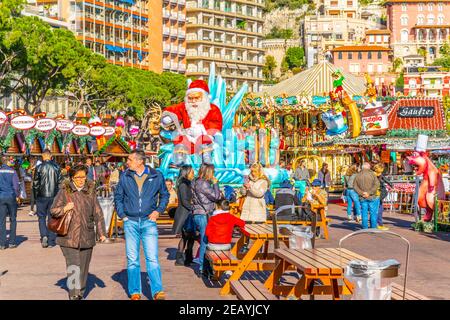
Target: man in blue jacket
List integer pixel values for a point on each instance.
(140, 197)
(9, 192)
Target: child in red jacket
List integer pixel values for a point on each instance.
(219, 229)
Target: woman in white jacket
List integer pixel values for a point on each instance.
(256, 185)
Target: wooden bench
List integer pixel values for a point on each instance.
(221, 261)
(397, 293)
(251, 290)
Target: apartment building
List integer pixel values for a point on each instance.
(429, 81)
(359, 60)
(229, 34)
(418, 27)
(347, 8)
(117, 29)
(378, 37)
(174, 35)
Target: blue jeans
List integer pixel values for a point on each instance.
(147, 231)
(200, 221)
(372, 207)
(43, 206)
(380, 214)
(353, 198)
(8, 207)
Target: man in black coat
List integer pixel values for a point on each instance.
(46, 181)
(286, 197)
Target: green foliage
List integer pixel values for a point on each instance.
(422, 52)
(400, 81)
(269, 67)
(398, 62)
(290, 4)
(278, 33)
(295, 57)
(444, 60)
(242, 25)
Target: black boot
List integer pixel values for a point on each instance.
(180, 260)
(188, 257)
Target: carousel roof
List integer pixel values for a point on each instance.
(316, 81)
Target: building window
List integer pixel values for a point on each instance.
(420, 20)
(404, 36)
(371, 39)
(386, 39)
(412, 83)
(350, 56)
(370, 68)
(359, 55)
(430, 7)
(404, 6)
(440, 7)
(430, 19)
(379, 55)
(380, 68)
(369, 55)
(404, 20)
(340, 55)
(420, 6)
(440, 19)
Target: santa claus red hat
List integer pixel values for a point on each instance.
(198, 86)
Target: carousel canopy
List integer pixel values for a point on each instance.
(316, 81)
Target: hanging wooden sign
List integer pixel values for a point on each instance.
(64, 125)
(81, 130)
(3, 117)
(97, 131)
(109, 131)
(23, 122)
(45, 124)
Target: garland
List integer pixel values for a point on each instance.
(124, 145)
(412, 133)
(5, 142)
(50, 138)
(67, 139)
(31, 135)
(83, 140)
(106, 145)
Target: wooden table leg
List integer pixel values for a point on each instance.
(299, 289)
(324, 223)
(275, 276)
(237, 246)
(335, 289)
(248, 258)
(310, 285)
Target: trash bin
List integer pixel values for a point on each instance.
(300, 237)
(372, 279)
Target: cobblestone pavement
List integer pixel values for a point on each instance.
(31, 272)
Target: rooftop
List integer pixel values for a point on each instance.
(360, 48)
(385, 31)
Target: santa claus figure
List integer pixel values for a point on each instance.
(195, 122)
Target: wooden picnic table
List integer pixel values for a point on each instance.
(324, 264)
(260, 235)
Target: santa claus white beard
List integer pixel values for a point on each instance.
(197, 111)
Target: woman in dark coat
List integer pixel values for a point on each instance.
(78, 194)
(183, 215)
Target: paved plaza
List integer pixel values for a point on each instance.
(31, 272)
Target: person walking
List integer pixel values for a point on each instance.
(353, 204)
(46, 181)
(140, 197)
(366, 184)
(383, 192)
(77, 194)
(325, 177)
(9, 193)
(205, 193)
(99, 173)
(302, 173)
(183, 219)
(255, 187)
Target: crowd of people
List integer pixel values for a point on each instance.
(199, 207)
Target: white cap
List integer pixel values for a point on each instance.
(422, 143)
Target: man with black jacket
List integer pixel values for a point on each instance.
(46, 181)
(9, 192)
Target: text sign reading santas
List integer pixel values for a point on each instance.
(415, 112)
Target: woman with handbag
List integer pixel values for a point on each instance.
(77, 202)
(205, 194)
(183, 216)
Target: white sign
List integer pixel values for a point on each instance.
(45, 124)
(81, 130)
(23, 122)
(64, 125)
(3, 117)
(97, 131)
(109, 131)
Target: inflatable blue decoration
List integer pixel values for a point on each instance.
(335, 123)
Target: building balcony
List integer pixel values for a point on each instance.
(166, 14)
(182, 67)
(174, 49)
(174, 1)
(181, 34)
(174, 66)
(166, 31)
(182, 2)
(174, 16)
(181, 17)
(182, 51)
(174, 33)
(166, 48)
(166, 65)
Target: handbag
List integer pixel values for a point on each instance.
(60, 225)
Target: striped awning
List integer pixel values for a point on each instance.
(316, 81)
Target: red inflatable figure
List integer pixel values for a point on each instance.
(432, 183)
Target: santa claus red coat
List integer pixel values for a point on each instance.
(212, 122)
